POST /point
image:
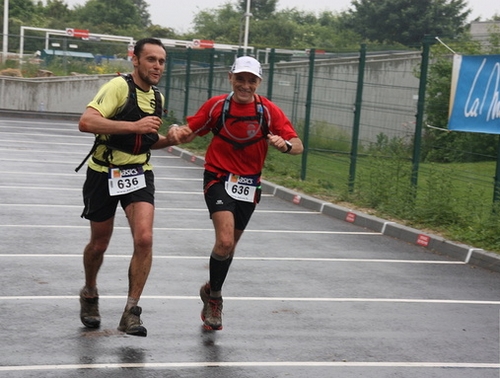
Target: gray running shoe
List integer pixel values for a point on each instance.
(211, 314)
(205, 296)
(89, 311)
(131, 323)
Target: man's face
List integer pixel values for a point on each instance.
(244, 86)
(149, 65)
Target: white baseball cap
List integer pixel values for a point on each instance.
(247, 64)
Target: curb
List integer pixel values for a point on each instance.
(40, 115)
(469, 255)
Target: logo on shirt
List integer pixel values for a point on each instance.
(252, 129)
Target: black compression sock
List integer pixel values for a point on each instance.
(218, 272)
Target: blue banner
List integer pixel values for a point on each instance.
(475, 94)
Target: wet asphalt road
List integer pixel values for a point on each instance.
(307, 296)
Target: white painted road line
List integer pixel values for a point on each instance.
(201, 229)
(292, 259)
(72, 174)
(243, 364)
(201, 209)
(46, 126)
(264, 299)
(80, 189)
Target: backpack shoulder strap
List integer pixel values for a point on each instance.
(225, 112)
(262, 117)
(130, 81)
(158, 104)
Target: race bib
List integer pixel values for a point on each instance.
(242, 188)
(125, 180)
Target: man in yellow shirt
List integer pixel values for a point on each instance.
(125, 116)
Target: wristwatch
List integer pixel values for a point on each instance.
(288, 147)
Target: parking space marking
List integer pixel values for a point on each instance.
(32, 151)
(242, 364)
(308, 259)
(198, 192)
(156, 166)
(201, 209)
(45, 174)
(16, 143)
(24, 134)
(266, 299)
(204, 229)
(33, 122)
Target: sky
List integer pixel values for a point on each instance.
(180, 15)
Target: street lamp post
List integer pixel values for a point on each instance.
(5, 30)
(247, 24)
(245, 16)
(241, 31)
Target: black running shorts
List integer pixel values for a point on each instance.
(217, 199)
(100, 206)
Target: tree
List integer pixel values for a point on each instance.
(144, 14)
(286, 29)
(260, 9)
(157, 31)
(21, 12)
(20, 9)
(111, 16)
(56, 14)
(406, 21)
(494, 38)
(221, 24)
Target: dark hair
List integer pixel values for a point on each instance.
(139, 45)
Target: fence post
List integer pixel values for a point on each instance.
(168, 79)
(295, 100)
(271, 74)
(308, 113)
(211, 73)
(188, 78)
(496, 187)
(357, 116)
(427, 42)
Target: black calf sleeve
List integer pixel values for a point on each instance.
(218, 272)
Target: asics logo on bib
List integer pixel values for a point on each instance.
(245, 180)
(129, 172)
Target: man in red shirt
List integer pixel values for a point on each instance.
(244, 125)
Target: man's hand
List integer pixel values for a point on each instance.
(281, 144)
(148, 125)
(277, 142)
(180, 134)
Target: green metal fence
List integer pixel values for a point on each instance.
(362, 118)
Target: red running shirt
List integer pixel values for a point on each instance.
(222, 156)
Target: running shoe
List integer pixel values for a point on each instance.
(211, 314)
(131, 323)
(89, 311)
